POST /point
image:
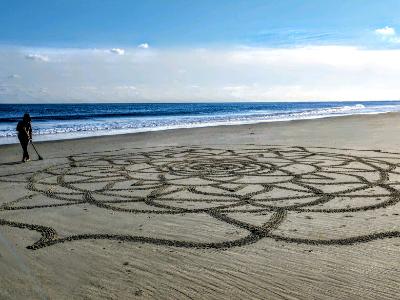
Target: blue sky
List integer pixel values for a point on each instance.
(104, 23)
(225, 50)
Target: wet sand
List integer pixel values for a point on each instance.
(289, 210)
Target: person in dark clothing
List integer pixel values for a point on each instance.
(24, 129)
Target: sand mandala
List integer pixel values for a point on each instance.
(267, 181)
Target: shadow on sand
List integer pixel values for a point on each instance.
(11, 163)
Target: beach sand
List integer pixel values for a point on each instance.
(286, 210)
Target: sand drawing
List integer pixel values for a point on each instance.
(251, 179)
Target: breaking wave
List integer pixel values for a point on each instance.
(72, 121)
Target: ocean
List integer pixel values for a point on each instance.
(66, 121)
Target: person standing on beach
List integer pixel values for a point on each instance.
(24, 129)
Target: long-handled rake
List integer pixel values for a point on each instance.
(40, 158)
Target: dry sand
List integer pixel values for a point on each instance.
(290, 210)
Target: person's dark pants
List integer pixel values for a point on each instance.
(24, 144)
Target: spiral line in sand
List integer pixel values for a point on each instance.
(218, 182)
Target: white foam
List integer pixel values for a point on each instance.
(86, 128)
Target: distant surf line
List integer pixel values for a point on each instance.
(69, 121)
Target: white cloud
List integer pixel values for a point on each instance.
(245, 74)
(386, 31)
(126, 87)
(117, 51)
(37, 57)
(144, 46)
(13, 76)
(388, 34)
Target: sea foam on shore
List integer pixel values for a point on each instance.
(65, 121)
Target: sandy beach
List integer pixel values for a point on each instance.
(286, 210)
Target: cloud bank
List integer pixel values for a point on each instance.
(235, 74)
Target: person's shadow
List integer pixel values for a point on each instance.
(11, 163)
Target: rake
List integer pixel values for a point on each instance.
(39, 156)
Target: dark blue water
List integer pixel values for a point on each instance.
(61, 121)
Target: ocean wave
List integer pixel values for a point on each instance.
(98, 115)
(332, 110)
(115, 123)
(134, 113)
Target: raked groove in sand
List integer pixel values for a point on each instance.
(143, 215)
(256, 189)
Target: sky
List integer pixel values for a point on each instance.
(56, 51)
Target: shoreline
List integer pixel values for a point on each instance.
(252, 124)
(355, 131)
(56, 129)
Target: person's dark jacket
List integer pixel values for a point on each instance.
(24, 130)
